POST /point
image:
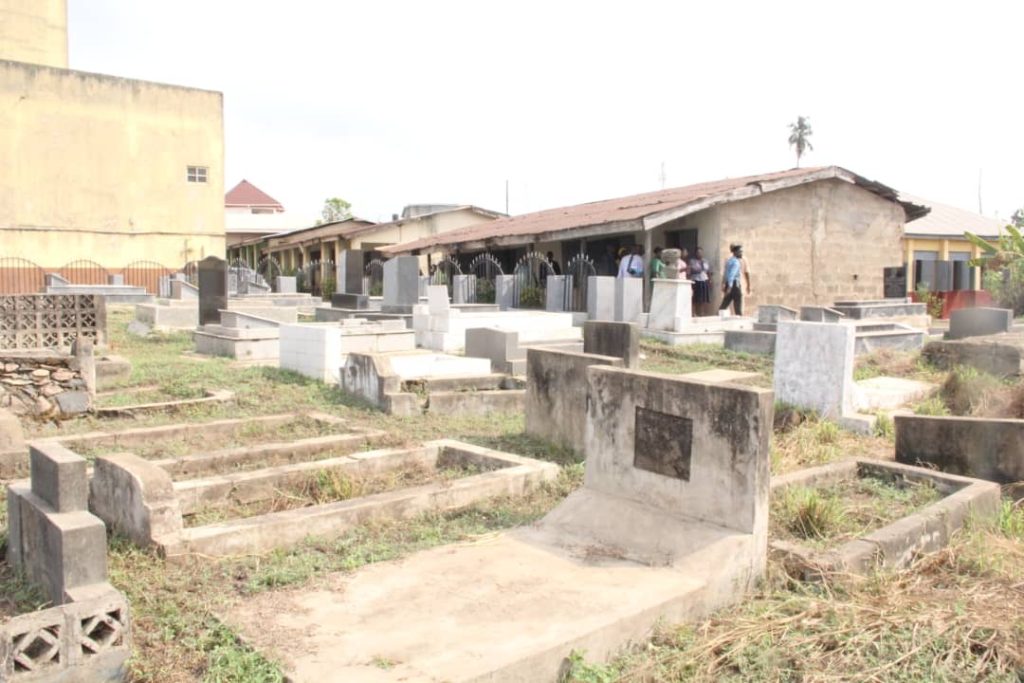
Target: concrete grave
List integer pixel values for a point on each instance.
(979, 322)
(629, 299)
(184, 291)
(556, 394)
(606, 338)
(896, 311)
(631, 547)
(242, 336)
(1001, 355)
(820, 314)
(213, 289)
(359, 302)
(601, 297)
(319, 350)
(401, 284)
(286, 284)
(556, 287)
(670, 305)
(503, 349)
(350, 271)
(898, 544)
(984, 448)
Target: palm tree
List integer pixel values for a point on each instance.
(799, 137)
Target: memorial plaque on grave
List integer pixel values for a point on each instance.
(213, 289)
(662, 443)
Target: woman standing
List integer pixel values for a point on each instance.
(700, 275)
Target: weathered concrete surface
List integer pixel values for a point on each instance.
(607, 338)
(596, 573)
(999, 355)
(135, 497)
(750, 341)
(814, 366)
(969, 446)
(556, 394)
(671, 302)
(601, 297)
(58, 476)
(979, 322)
(112, 369)
(720, 376)
(476, 402)
(897, 544)
(889, 393)
(629, 299)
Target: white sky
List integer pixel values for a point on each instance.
(390, 103)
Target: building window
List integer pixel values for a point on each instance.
(197, 174)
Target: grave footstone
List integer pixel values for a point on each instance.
(351, 301)
(213, 289)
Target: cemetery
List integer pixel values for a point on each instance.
(353, 493)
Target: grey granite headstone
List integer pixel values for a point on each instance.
(350, 271)
(401, 283)
(213, 289)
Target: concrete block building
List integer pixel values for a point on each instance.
(810, 235)
(99, 167)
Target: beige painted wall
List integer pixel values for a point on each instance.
(34, 31)
(95, 168)
(804, 245)
(415, 228)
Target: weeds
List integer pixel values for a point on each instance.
(933, 406)
(1011, 519)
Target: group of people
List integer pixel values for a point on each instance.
(696, 269)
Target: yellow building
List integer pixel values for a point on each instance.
(98, 167)
(939, 237)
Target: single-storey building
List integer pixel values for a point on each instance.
(810, 235)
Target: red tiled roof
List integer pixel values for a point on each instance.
(642, 206)
(247, 194)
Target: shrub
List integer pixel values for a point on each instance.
(531, 297)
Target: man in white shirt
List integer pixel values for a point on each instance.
(632, 265)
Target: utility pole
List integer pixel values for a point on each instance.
(662, 175)
(979, 193)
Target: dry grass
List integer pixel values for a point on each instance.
(802, 440)
(969, 392)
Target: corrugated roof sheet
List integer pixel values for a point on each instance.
(949, 221)
(643, 206)
(247, 194)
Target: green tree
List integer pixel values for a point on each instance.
(1018, 219)
(336, 209)
(799, 137)
(1003, 266)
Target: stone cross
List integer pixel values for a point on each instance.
(671, 259)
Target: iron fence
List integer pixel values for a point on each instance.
(444, 273)
(486, 268)
(580, 268)
(21, 276)
(84, 272)
(530, 281)
(374, 273)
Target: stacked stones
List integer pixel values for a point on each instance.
(42, 385)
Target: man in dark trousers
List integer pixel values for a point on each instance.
(735, 269)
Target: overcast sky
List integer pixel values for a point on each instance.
(390, 103)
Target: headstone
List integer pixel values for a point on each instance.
(424, 283)
(505, 291)
(116, 279)
(349, 271)
(977, 322)
(284, 284)
(557, 286)
(183, 291)
(163, 287)
(213, 289)
(814, 366)
(629, 299)
(671, 259)
(608, 338)
(601, 297)
(437, 300)
(464, 289)
(352, 301)
(401, 284)
(671, 304)
(84, 362)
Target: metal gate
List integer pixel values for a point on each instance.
(445, 272)
(269, 269)
(313, 279)
(146, 274)
(84, 272)
(580, 268)
(21, 276)
(486, 269)
(374, 273)
(530, 283)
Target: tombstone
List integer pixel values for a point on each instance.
(557, 287)
(671, 259)
(671, 303)
(464, 289)
(894, 282)
(424, 283)
(116, 279)
(977, 322)
(163, 286)
(284, 284)
(401, 284)
(213, 289)
(629, 299)
(619, 340)
(437, 300)
(505, 291)
(349, 271)
(183, 291)
(350, 301)
(814, 366)
(601, 297)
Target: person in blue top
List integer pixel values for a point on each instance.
(735, 269)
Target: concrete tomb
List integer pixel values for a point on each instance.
(979, 322)
(359, 302)
(213, 289)
(243, 336)
(62, 549)
(506, 353)
(671, 523)
(820, 314)
(401, 284)
(556, 394)
(556, 289)
(318, 350)
(464, 289)
(629, 299)
(1001, 355)
(350, 271)
(286, 284)
(619, 340)
(601, 297)
(671, 303)
(985, 448)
